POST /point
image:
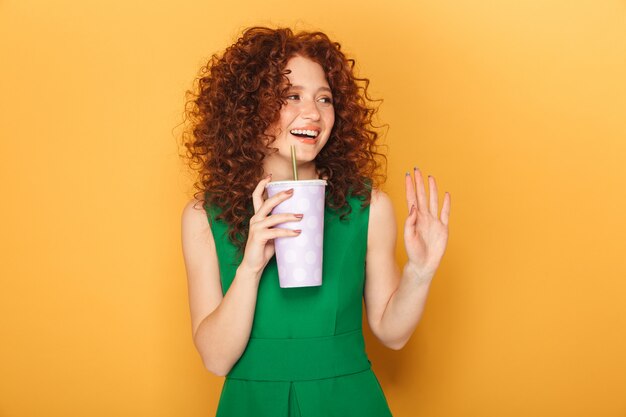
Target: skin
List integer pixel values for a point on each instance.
(309, 103)
(394, 299)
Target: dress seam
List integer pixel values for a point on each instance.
(360, 329)
(302, 380)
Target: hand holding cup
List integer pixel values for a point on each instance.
(262, 231)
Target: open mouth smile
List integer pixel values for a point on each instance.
(305, 133)
(308, 136)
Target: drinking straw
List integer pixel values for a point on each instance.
(293, 161)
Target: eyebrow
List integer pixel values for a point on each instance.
(299, 87)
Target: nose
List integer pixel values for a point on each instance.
(310, 110)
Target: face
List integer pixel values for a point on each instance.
(307, 117)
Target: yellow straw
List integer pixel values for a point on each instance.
(293, 161)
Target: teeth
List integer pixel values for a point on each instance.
(311, 133)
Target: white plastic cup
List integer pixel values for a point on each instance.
(299, 258)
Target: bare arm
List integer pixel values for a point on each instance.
(395, 300)
(394, 303)
(221, 325)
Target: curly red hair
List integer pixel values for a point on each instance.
(239, 95)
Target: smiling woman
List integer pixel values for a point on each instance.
(242, 101)
(297, 351)
(306, 120)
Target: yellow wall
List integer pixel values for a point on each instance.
(518, 108)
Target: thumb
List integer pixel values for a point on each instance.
(409, 224)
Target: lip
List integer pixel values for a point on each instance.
(306, 141)
(308, 127)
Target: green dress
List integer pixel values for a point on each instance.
(306, 354)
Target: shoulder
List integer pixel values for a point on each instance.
(193, 211)
(194, 220)
(381, 244)
(382, 220)
(380, 203)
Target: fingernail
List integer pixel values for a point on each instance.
(298, 231)
(414, 168)
(407, 173)
(289, 191)
(299, 216)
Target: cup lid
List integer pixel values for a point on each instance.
(297, 183)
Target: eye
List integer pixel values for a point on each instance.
(327, 100)
(293, 97)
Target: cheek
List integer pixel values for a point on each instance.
(330, 120)
(281, 125)
(287, 114)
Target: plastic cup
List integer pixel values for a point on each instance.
(299, 258)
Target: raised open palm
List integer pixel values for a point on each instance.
(425, 233)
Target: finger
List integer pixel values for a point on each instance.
(270, 234)
(420, 191)
(276, 219)
(411, 220)
(434, 197)
(445, 210)
(411, 197)
(257, 194)
(269, 204)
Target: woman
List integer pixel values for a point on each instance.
(297, 351)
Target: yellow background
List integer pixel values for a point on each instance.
(518, 108)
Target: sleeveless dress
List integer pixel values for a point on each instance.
(306, 354)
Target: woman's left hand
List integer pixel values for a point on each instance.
(425, 234)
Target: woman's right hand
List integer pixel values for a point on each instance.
(260, 245)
